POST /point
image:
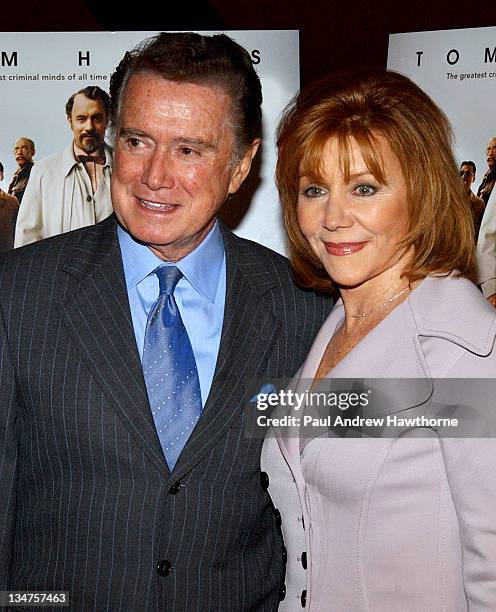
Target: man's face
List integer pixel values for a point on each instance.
(23, 151)
(468, 176)
(173, 164)
(491, 152)
(88, 122)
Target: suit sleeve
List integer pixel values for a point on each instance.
(471, 470)
(29, 225)
(486, 248)
(8, 457)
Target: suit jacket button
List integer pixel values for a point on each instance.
(282, 592)
(89, 198)
(304, 598)
(264, 480)
(304, 560)
(277, 514)
(284, 555)
(176, 487)
(164, 568)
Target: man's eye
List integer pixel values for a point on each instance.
(134, 143)
(365, 190)
(313, 191)
(188, 151)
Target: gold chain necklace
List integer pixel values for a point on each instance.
(360, 315)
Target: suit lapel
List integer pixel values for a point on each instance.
(248, 337)
(98, 318)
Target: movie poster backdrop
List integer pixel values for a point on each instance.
(457, 68)
(40, 70)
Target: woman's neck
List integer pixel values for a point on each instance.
(368, 303)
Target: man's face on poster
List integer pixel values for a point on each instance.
(88, 122)
(23, 151)
(468, 176)
(491, 153)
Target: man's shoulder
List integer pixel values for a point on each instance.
(244, 247)
(56, 162)
(49, 161)
(267, 268)
(476, 201)
(48, 256)
(8, 201)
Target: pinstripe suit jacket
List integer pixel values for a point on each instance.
(87, 503)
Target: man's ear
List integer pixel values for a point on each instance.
(242, 168)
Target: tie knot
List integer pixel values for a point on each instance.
(168, 277)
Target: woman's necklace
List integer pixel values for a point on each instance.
(360, 315)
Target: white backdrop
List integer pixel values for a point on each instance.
(35, 108)
(457, 68)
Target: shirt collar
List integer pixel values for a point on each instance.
(27, 166)
(201, 267)
(69, 161)
(78, 151)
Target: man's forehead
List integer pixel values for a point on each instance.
(491, 143)
(174, 91)
(82, 103)
(22, 142)
(151, 101)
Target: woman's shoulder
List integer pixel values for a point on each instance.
(452, 308)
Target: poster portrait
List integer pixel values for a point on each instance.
(39, 71)
(457, 68)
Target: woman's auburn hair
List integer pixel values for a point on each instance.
(366, 105)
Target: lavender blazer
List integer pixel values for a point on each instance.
(400, 523)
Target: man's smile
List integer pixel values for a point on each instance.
(159, 206)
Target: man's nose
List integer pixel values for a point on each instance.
(88, 125)
(158, 171)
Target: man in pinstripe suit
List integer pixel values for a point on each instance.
(88, 502)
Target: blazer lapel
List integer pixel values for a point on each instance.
(388, 362)
(248, 336)
(98, 318)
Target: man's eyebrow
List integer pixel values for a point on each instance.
(197, 142)
(184, 140)
(132, 132)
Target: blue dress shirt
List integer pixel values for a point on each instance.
(200, 295)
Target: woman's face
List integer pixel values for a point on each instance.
(354, 226)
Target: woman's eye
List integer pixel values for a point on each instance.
(365, 190)
(313, 191)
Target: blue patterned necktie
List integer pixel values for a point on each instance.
(170, 370)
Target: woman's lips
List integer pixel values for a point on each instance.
(343, 248)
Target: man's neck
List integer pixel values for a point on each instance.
(98, 153)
